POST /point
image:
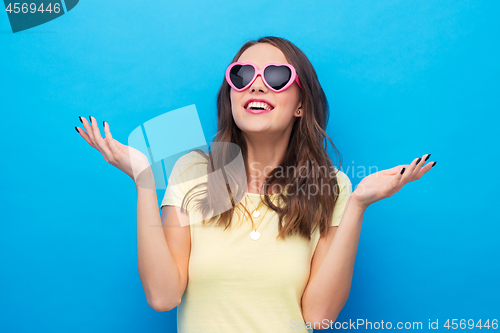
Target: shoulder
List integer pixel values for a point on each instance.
(344, 184)
(190, 166)
(193, 157)
(342, 179)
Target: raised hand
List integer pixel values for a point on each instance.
(386, 183)
(129, 160)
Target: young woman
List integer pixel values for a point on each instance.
(288, 265)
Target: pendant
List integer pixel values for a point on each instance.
(256, 213)
(255, 235)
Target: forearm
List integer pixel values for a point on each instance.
(158, 270)
(328, 291)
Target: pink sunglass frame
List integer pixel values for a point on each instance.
(294, 77)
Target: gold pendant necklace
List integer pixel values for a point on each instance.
(255, 235)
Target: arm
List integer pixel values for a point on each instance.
(162, 251)
(333, 262)
(163, 247)
(332, 267)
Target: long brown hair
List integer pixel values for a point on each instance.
(298, 211)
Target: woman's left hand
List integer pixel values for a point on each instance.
(386, 183)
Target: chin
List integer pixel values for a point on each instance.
(255, 129)
(252, 127)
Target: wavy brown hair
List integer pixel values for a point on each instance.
(298, 211)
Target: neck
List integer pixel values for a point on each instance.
(264, 153)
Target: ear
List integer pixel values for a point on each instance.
(298, 112)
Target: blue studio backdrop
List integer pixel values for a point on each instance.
(403, 78)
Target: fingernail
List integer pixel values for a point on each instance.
(80, 119)
(434, 164)
(103, 124)
(418, 161)
(402, 170)
(90, 120)
(77, 130)
(429, 155)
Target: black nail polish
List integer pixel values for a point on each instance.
(80, 119)
(434, 164)
(402, 170)
(428, 157)
(103, 124)
(418, 161)
(77, 130)
(90, 120)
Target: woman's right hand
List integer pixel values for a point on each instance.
(127, 159)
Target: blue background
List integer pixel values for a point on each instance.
(403, 78)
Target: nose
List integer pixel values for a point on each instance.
(258, 84)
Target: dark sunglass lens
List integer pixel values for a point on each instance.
(277, 76)
(241, 75)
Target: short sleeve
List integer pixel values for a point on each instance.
(345, 192)
(187, 169)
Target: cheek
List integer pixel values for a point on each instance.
(233, 103)
(235, 100)
(231, 98)
(288, 103)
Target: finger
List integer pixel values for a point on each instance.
(109, 139)
(409, 172)
(418, 167)
(101, 144)
(395, 184)
(85, 136)
(91, 133)
(396, 169)
(88, 127)
(424, 170)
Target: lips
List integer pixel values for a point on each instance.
(257, 111)
(257, 100)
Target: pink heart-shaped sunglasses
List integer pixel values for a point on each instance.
(277, 77)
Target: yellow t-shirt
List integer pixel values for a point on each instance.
(236, 284)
